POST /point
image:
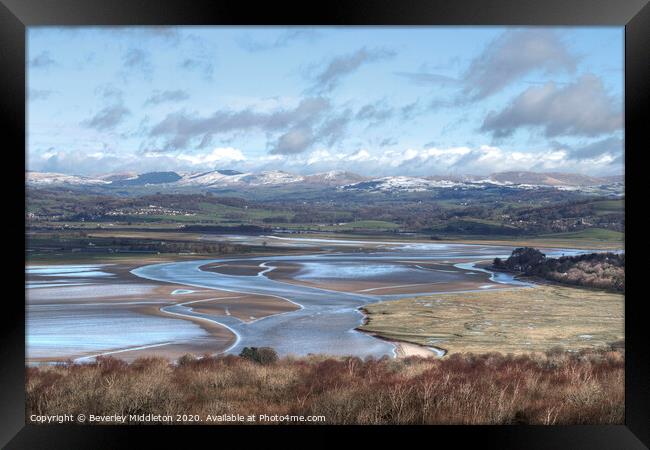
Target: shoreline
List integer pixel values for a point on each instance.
(217, 329)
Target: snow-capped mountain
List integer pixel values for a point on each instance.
(119, 176)
(272, 177)
(334, 178)
(402, 184)
(59, 179)
(145, 179)
(342, 180)
(549, 179)
(212, 178)
(515, 180)
(225, 178)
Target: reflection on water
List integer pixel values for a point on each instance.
(497, 277)
(58, 332)
(336, 270)
(70, 270)
(327, 320)
(324, 324)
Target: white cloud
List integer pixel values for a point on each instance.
(361, 155)
(513, 55)
(481, 160)
(217, 155)
(582, 108)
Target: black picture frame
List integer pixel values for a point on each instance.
(16, 15)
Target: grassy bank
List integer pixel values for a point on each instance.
(552, 388)
(579, 240)
(594, 238)
(508, 321)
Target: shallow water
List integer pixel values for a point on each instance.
(327, 319)
(497, 277)
(34, 284)
(337, 270)
(63, 292)
(324, 323)
(182, 291)
(63, 331)
(69, 270)
(54, 276)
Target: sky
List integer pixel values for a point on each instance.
(372, 100)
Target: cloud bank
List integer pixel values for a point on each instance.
(582, 108)
(601, 158)
(513, 55)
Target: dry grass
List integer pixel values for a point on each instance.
(553, 388)
(508, 321)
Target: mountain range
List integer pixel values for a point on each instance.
(343, 180)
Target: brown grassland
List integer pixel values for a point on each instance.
(555, 387)
(508, 321)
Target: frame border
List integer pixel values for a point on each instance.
(16, 15)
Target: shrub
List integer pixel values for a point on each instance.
(559, 387)
(186, 359)
(261, 355)
(525, 258)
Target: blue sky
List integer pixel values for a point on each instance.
(373, 100)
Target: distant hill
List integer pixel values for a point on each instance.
(403, 184)
(229, 172)
(271, 177)
(119, 176)
(615, 178)
(148, 178)
(341, 180)
(548, 179)
(211, 178)
(228, 178)
(334, 178)
(59, 179)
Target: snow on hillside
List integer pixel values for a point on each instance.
(51, 179)
(212, 178)
(513, 180)
(272, 177)
(336, 178)
(218, 178)
(547, 179)
(120, 176)
(402, 183)
(331, 175)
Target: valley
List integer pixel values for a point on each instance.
(444, 210)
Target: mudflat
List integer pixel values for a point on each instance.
(246, 307)
(237, 268)
(410, 277)
(106, 297)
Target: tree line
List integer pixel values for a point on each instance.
(596, 270)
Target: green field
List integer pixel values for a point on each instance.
(375, 225)
(609, 206)
(593, 234)
(593, 238)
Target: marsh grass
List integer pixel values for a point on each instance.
(553, 388)
(518, 321)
